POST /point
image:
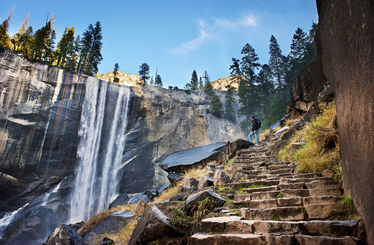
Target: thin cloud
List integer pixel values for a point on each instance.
(210, 31)
(249, 20)
(191, 45)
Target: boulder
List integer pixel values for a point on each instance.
(65, 235)
(231, 148)
(182, 160)
(178, 197)
(110, 224)
(205, 181)
(122, 199)
(152, 226)
(210, 171)
(191, 182)
(164, 187)
(151, 193)
(136, 198)
(186, 190)
(194, 199)
(174, 178)
(328, 173)
(221, 178)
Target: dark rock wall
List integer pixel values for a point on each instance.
(347, 52)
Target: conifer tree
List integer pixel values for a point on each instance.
(276, 63)
(95, 54)
(65, 46)
(151, 81)
(43, 41)
(208, 88)
(85, 47)
(4, 36)
(158, 81)
(115, 73)
(217, 106)
(249, 62)
(72, 60)
(16, 39)
(144, 72)
(201, 83)
(229, 110)
(194, 84)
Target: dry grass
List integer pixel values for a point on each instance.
(322, 149)
(263, 135)
(124, 234)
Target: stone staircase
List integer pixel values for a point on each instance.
(275, 204)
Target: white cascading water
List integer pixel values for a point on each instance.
(102, 141)
(8, 217)
(55, 190)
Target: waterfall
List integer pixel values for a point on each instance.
(102, 139)
(8, 217)
(55, 190)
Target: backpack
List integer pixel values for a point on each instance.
(258, 123)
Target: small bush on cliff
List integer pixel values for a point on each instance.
(322, 149)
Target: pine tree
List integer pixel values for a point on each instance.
(85, 47)
(208, 88)
(249, 62)
(43, 41)
(72, 60)
(276, 63)
(16, 39)
(194, 84)
(95, 54)
(144, 72)
(217, 106)
(4, 36)
(151, 81)
(115, 73)
(158, 81)
(201, 83)
(229, 110)
(65, 46)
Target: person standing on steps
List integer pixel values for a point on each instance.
(254, 130)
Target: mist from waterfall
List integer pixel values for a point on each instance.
(102, 140)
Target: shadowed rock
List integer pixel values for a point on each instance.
(65, 235)
(182, 160)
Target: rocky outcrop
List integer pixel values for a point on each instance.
(41, 108)
(346, 49)
(65, 235)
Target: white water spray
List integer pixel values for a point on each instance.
(8, 217)
(55, 190)
(102, 138)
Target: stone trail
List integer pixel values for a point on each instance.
(278, 205)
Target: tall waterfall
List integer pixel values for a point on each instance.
(102, 140)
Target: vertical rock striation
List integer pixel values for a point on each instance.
(347, 53)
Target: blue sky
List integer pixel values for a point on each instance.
(174, 36)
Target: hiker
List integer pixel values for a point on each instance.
(254, 131)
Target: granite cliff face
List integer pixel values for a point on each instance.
(347, 42)
(343, 69)
(51, 121)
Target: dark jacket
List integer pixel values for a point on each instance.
(254, 125)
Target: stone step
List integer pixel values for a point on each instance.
(277, 214)
(290, 201)
(299, 185)
(325, 192)
(324, 210)
(259, 189)
(321, 199)
(218, 239)
(323, 240)
(330, 184)
(246, 184)
(289, 193)
(298, 180)
(315, 228)
(280, 166)
(282, 171)
(242, 197)
(263, 204)
(310, 175)
(261, 195)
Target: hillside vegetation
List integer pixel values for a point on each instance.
(322, 149)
